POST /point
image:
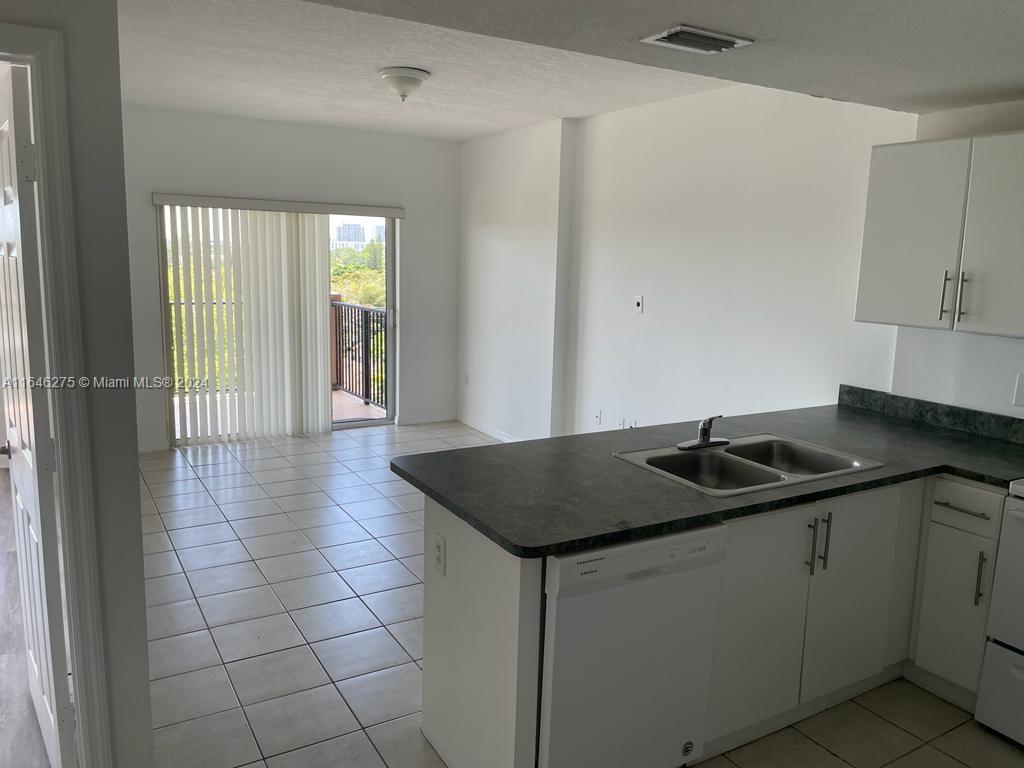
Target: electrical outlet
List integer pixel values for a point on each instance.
(638, 303)
(1018, 393)
(440, 554)
(597, 417)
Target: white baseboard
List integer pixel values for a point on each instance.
(795, 715)
(942, 688)
(403, 419)
(497, 434)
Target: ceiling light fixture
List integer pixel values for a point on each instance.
(404, 80)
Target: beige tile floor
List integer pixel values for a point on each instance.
(285, 600)
(897, 725)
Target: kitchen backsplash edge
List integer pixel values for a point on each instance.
(981, 423)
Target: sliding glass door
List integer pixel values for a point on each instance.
(279, 318)
(362, 278)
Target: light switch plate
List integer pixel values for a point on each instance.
(1018, 393)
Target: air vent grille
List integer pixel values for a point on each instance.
(686, 38)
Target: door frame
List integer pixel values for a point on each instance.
(391, 234)
(391, 237)
(42, 50)
(392, 215)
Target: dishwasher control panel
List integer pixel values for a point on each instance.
(594, 569)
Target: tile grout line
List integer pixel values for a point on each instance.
(393, 557)
(861, 706)
(334, 683)
(220, 656)
(923, 742)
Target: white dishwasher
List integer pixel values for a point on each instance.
(628, 639)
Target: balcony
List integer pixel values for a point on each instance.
(359, 348)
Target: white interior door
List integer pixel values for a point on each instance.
(27, 422)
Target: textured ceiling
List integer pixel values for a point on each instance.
(306, 62)
(911, 55)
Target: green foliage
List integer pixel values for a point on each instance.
(372, 256)
(359, 275)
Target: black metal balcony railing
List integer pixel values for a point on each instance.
(359, 337)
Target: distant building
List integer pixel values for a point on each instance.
(351, 233)
(378, 232)
(349, 244)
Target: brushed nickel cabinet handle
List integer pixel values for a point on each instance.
(814, 545)
(828, 542)
(977, 583)
(960, 297)
(971, 512)
(942, 296)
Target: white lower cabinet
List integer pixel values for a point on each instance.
(848, 602)
(778, 624)
(759, 629)
(954, 604)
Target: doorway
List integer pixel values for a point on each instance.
(47, 511)
(362, 309)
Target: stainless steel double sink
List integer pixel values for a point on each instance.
(748, 464)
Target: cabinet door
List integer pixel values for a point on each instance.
(759, 629)
(848, 601)
(993, 255)
(954, 604)
(912, 232)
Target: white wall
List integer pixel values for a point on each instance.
(97, 168)
(511, 183)
(960, 368)
(175, 151)
(738, 214)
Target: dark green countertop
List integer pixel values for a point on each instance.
(566, 494)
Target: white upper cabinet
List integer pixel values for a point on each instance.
(912, 233)
(992, 296)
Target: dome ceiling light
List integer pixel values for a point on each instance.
(404, 80)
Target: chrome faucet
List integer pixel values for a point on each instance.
(704, 438)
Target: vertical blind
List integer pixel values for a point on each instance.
(247, 321)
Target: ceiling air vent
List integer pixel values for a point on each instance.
(696, 40)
